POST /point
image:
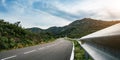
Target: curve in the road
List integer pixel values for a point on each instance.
(58, 50)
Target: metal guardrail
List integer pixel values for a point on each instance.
(103, 44)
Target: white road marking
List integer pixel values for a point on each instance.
(44, 47)
(49, 46)
(30, 51)
(41, 48)
(72, 54)
(9, 57)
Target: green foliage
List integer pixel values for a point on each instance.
(45, 35)
(4, 43)
(12, 43)
(14, 36)
(79, 51)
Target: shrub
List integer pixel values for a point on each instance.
(4, 43)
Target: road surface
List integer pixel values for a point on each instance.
(58, 50)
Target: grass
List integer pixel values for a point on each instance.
(79, 51)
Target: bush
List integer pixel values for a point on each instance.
(12, 43)
(4, 43)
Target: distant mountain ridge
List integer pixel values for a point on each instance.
(35, 29)
(77, 28)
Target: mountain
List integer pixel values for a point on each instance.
(45, 35)
(79, 28)
(85, 26)
(35, 29)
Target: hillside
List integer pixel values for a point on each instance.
(85, 26)
(79, 28)
(35, 29)
(14, 36)
(45, 35)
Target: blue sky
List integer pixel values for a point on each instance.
(47, 13)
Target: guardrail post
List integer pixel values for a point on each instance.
(86, 56)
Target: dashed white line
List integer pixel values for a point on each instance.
(47, 46)
(9, 57)
(30, 51)
(41, 48)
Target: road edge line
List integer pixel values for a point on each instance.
(72, 54)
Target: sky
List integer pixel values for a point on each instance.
(48, 13)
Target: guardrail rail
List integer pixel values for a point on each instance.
(103, 44)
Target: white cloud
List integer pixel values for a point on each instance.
(30, 17)
(100, 8)
(23, 10)
(3, 2)
(35, 18)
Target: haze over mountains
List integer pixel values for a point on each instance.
(77, 28)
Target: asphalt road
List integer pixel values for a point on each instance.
(58, 50)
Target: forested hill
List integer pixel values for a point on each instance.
(14, 36)
(78, 28)
(85, 26)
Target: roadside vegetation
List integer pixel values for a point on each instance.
(79, 53)
(13, 36)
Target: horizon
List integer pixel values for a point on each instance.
(58, 26)
(48, 13)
